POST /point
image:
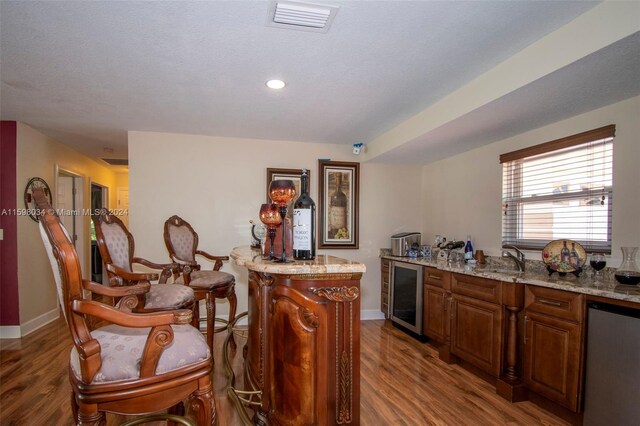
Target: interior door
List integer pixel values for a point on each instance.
(69, 204)
(99, 200)
(66, 204)
(123, 204)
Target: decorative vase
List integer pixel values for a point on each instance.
(628, 272)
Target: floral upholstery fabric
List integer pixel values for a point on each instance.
(54, 264)
(122, 347)
(208, 279)
(167, 296)
(182, 241)
(118, 245)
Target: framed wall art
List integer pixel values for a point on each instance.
(338, 194)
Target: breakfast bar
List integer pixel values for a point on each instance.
(303, 344)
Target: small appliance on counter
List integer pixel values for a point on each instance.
(404, 243)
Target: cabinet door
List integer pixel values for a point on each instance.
(435, 315)
(552, 358)
(476, 333)
(294, 360)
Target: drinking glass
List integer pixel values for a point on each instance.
(597, 262)
(282, 192)
(270, 216)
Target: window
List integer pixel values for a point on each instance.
(560, 189)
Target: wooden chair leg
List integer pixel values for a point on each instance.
(195, 321)
(233, 303)
(89, 415)
(202, 404)
(74, 405)
(178, 410)
(211, 319)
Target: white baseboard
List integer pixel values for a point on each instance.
(9, 331)
(39, 321)
(371, 314)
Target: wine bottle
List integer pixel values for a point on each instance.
(564, 253)
(338, 211)
(468, 249)
(304, 223)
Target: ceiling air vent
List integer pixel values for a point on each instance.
(301, 16)
(116, 161)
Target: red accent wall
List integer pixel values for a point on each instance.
(9, 308)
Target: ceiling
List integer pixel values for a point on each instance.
(85, 73)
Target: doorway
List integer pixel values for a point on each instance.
(69, 205)
(99, 200)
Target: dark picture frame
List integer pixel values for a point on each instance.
(291, 174)
(338, 207)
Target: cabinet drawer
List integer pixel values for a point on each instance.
(477, 288)
(384, 265)
(437, 278)
(556, 303)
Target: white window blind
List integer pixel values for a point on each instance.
(560, 189)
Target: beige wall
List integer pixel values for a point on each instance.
(37, 155)
(462, 194)
(217, 184)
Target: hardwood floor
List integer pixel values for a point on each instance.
(403, 383)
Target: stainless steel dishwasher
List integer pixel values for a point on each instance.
(612, 381)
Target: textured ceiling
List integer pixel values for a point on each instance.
(87, 72)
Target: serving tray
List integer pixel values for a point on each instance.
(564, 256)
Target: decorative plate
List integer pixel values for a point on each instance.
(564, 255)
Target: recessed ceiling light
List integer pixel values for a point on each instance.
(275, 84)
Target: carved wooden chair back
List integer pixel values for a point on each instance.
(115, 242)
(65, 266)
(181, 240)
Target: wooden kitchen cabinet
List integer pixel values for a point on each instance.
(477, 333)
(553, 345)
(477, 322)
(385, 282)
(435, 314)
(436, 304)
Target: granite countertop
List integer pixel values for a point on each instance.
(536, 276)
(322, 264)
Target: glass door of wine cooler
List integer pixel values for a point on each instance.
(406, 296)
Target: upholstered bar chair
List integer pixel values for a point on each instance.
(116, 247)
(182, 242)
(139, 363)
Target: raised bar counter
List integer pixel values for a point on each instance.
(303, 344)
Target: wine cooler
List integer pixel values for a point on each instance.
(406, 296)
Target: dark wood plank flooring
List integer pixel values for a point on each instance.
(403, 383)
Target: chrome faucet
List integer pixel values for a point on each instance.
(518, 258)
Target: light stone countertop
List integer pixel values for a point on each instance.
(584, 284)
(322, 264)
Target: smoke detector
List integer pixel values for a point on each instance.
(301, 16)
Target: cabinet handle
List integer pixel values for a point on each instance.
(526, 320)
(444, 305)
(550, 302)
(435, 277)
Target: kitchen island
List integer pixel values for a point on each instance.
(303, 343)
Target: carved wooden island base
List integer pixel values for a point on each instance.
(303, 345)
